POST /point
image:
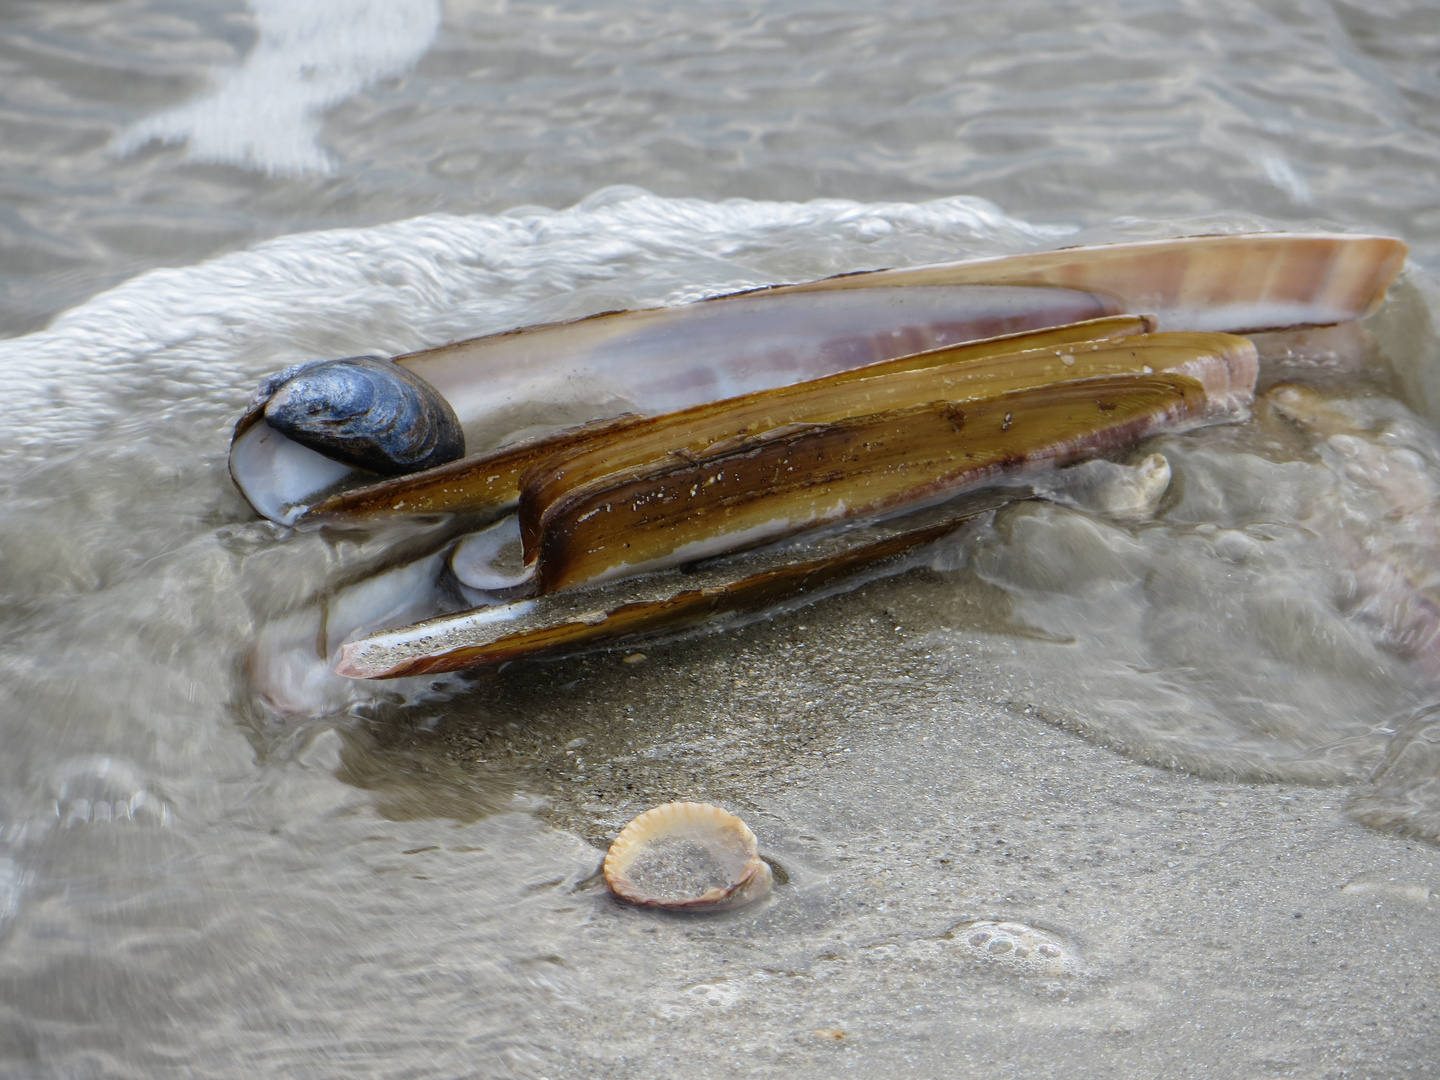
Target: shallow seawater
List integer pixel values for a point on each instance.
(1185, 759)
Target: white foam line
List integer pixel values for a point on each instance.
(181, 348)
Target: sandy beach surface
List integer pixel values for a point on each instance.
(1184, 762)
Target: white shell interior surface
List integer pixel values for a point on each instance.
(687, 855)
(278, 476)
(493, 558)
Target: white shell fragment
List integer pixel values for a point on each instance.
(492, 559)
(279, 477)
(687, 856)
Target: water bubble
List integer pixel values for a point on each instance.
(1235, 547)
(701, 997)
(95, 790)
(1029, 947)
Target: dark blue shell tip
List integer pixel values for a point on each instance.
(366, 412)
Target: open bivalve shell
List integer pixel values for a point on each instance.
(687, 856)
(769, 447)
(658, 360)
(997, 421)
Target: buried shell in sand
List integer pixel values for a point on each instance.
(687, 856)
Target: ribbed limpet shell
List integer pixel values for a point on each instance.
(687, 856)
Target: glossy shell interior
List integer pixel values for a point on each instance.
(1237, 284)
(715, 594)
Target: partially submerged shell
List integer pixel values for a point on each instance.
(687, 856)
(790, 481)
(796, 410)
(717, 593)
(658, 360)
(937, 432)
(800, 478)
(895, 383)
(535, 469)
(308, 426)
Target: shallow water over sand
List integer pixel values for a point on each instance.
(399, 885)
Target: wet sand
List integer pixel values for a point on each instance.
(1208, 928)
(191, 887)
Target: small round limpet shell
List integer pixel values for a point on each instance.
(687, 856)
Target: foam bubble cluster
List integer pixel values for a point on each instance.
(1016, 943)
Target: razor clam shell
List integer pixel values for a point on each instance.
(656, 361)
(1240, 283)
(783, 481)
(961, 374)
(666, 358)
(660, 359)
(491, 482)
(1214, 368)
(606, 364)
(802, 570)
(787, 481)
(728, 842)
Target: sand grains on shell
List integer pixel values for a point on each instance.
(687, 856)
